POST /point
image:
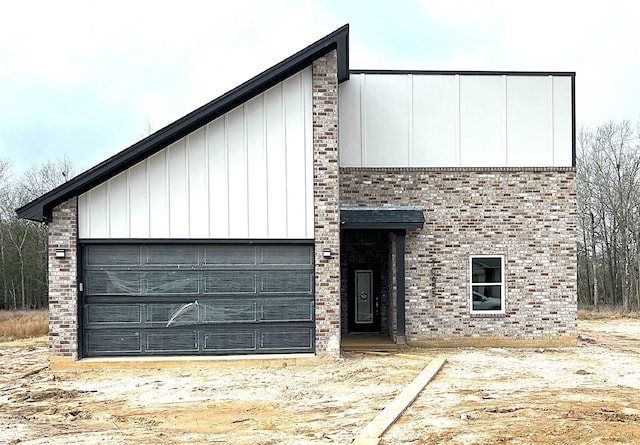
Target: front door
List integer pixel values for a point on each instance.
(364, 300)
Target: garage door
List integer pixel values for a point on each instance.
(171, 299)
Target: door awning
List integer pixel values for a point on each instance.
(381, 218)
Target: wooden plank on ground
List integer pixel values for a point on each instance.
(372, 433)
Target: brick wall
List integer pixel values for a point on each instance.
(528, 215)
(327, 206)
(63, 288)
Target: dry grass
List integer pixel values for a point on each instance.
(606, 313)
(15, 325)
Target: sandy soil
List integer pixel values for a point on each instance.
(587, 394)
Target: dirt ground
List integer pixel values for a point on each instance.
(587, 394)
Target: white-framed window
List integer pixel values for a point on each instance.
(487, 286)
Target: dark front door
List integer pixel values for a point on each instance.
(364, 298)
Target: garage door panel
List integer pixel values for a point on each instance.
(113, 342)
(112, 282)
(283, 255)
(110, 314)
(229, 282)
(230, 255)
(290, 309)
(172, 341)
(113, 255)
(168, 282)
(285, 282)
(162, 314)
(230, 342)
(260, 300)
(294, 339)
(230, 311)
(172, 255)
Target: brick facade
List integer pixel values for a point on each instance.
(63, 286)
(327, 205)
(527, 215)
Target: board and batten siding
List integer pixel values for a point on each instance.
(247, 174)
(456, 120)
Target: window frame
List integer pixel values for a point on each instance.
(501, 283)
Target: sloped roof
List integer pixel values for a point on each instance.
(40, 208)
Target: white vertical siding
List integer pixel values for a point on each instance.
(434, 120)
(386, 121)
(139, 193)
(455, 120)
(218, 184)
(248, 174)
(481, 121)
(257, 169)
(562, 121)
(198, 187)
(118, 214)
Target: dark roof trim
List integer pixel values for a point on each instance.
(40, 208)
(382, 218)
(469, 73)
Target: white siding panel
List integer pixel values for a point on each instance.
(238, 203)
(98, 212)
(247, 174)
(482, 116)
(158, 196)
(138, 201)
(218, 180)
(276, 164)
(83, 217)
(528, 123)
(295, 155)
(257, 169)
(118, 206)
(386, 121)
(455, 120)
(350, 124)
(435, 110)
(178, 195)
(308, 159)
(562, 122)
(198, 185)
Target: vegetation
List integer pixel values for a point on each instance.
(23, 244)
(608, 195)
(15, 325)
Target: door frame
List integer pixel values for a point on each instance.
(374, 327)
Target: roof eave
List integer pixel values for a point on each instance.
(40, 208)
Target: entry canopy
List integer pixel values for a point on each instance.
(381, 218)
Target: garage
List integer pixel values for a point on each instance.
(196, 299)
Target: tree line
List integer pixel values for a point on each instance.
(23, 244)
(608, 222)
(608, 196)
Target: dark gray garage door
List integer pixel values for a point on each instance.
(169, 299)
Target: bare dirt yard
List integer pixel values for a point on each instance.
(586, 394)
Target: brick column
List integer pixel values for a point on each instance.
(63, 277)
(326, 204)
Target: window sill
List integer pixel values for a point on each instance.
(493, 315)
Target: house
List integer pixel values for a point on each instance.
(314, 202)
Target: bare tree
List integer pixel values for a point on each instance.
(608, 182)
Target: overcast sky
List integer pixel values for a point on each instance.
(88, 79)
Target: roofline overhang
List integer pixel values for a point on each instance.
(40, 208)
(381, 226)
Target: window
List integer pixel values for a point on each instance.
(487, 284)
